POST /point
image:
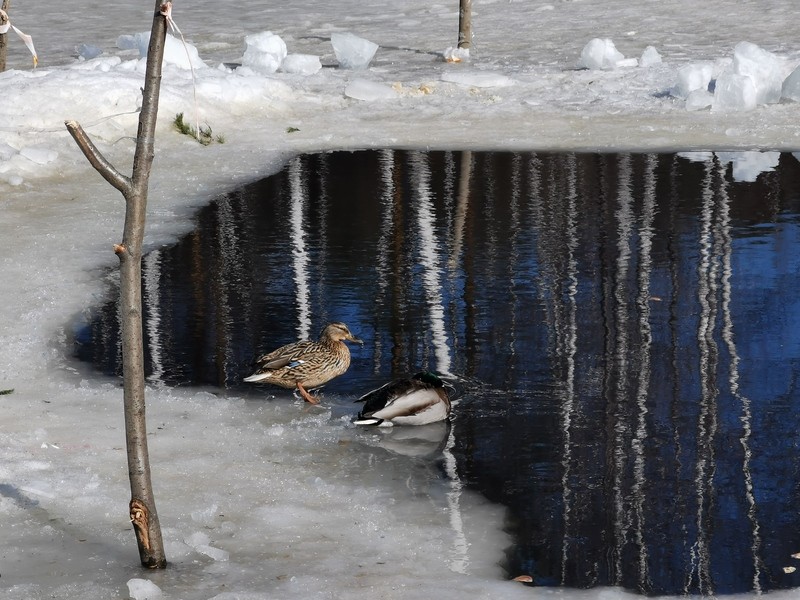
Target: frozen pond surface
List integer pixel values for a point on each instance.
(622, 326)
(259, 499)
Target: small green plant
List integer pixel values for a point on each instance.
(292, 130)
(204, 135)
(6, 392)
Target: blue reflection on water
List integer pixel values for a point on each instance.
(624, 327)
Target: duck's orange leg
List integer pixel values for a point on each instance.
(306, 396)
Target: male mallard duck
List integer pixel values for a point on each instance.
(420, 400)
(307, 364)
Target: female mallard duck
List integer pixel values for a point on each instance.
(307, 365)
(419, 400)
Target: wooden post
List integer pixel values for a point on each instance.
(5, 5)
(465, 24)
(142, 507)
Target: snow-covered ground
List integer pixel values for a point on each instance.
(272, 500)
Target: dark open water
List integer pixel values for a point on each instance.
(625, 327)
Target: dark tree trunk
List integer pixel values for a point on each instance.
(465, 24)
(4, 5)
(142, 506)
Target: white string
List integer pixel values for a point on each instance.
(166, 12)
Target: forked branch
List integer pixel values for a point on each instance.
(97, 160)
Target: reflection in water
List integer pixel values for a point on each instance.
(623, 325)
(299, 255)
(151, 275)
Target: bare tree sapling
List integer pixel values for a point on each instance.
(134, 189)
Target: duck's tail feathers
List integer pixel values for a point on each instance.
(255, 378)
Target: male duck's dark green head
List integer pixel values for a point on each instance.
(430, 378)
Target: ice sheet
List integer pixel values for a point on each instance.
(271, 499)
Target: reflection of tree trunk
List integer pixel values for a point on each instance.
(469, 300)
(621, 368)
(705, 465)
(399, 270)
(320, 208)
(199, 277)
(462, 205)
(152, 276)
(428, 249)
(538, 183)
(386, 161)
(513, 273)
(223, 285)
(675, 318)
(568, 340)
(300, 258)
(460, 552)
(746, 417)
(643, 385)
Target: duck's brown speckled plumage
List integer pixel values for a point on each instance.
(307, 364)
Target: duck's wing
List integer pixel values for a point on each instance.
(372, 396)
(380, 397)
(288, 356)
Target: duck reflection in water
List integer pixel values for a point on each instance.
(424, 441)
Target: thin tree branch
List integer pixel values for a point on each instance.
(145, 140)
(97, 160)
(142, 507)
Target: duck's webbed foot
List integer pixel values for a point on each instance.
(306, 396)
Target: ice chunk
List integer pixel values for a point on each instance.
(142, 589)
(88, 52)
(455, 55)
(41, 155)
(102, 64)
(301, 64)
(699, 99)
(734, 93)
(764, 68)
(361, 89)
(695, 76)
(128, 42)
(627, 62)
(6, 151)
(197, 539)
(600, 54)
(351, 51)
(214, 553)
(264, 52)
(791, 86)
(650, 57)
(176, 53)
